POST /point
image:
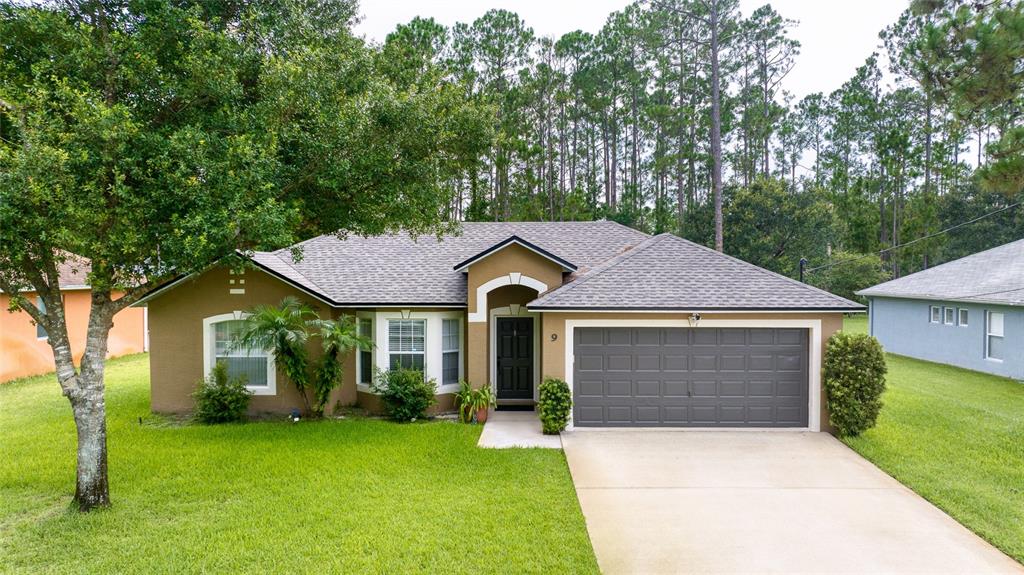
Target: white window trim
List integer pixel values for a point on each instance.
(359, 356)
(812, 325)
(492, 353)
(934, 312)
(949, 315)
(989, 334)
(208, 353)
(433, 361)
(960, 320)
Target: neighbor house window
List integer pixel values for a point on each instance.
(994, 336)
(936, 314)
(406, 343)
(40, 330)
(247, 362)
(365, 367)
(962, 319)
(451, 343)
(950, 315)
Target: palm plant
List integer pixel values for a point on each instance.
(338, 337)
(282, 329)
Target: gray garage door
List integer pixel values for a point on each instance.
(700, 377)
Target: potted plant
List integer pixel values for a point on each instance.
(483, 400)
(464, 401)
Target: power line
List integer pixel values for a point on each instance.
(911, 242)
(974, 295)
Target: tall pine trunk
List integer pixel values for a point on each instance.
(716, 128)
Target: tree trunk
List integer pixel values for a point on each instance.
(89, 408)
(716, 128)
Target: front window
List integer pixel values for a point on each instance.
(40, 330)
(406, 343)
(365, 367)
(963, 317)
(936, 314)
(950, 315)
(994, 336)
(250, 363)
(450, 346)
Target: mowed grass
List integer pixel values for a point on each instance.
(956, 437)
(352, 496)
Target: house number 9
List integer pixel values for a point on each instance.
(554, 337)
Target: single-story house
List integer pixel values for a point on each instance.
(647, 330)
(968, 312)
(24, 346)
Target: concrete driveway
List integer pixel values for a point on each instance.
(782, 502)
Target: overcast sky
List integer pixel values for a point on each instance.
(836, 35)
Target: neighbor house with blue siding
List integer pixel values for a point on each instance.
(968, 312)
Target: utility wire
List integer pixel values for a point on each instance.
(974, 295)
(921, 239)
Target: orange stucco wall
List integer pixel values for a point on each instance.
(23, 354)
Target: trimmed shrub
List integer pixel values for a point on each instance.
(854, 381)
(405, 393)
(220, 399)
(554, 406)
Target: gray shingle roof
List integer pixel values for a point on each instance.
(398, 269)
(992, 276)
(668, 272)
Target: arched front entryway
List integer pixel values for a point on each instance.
(513, 337)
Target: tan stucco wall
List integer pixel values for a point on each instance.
(22, 354)
(553, 349)
(176, 338)
(513, 258)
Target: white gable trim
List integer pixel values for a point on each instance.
(514, 278)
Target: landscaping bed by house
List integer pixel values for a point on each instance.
(353, 495)
(956, 437)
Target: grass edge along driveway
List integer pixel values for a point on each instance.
(956, 437)
(355, 495)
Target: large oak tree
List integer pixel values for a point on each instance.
(155, 138)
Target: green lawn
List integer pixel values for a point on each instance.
(956, 437)
(355, 496)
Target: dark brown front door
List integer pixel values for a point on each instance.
(515, 357)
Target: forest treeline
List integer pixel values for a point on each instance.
(673, 118)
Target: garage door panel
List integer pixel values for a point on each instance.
(648, 415)
(675, 362)
(590, 388)
(732, 389)
(618, 388)
(702, 337)
(704, 362)
(733, 363)
(620, 414)
(619, 337)
(690, 377)
(648, 337)
(677, 388)
(676, 337)
(704, 388)
(587, 362)
(648, 388)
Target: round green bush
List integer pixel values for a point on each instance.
(406, 394)
(554, 406)
(220, 399)
(854, 381)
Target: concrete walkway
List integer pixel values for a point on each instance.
(505, 429)
(758, 502)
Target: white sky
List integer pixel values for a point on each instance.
(836, 35)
